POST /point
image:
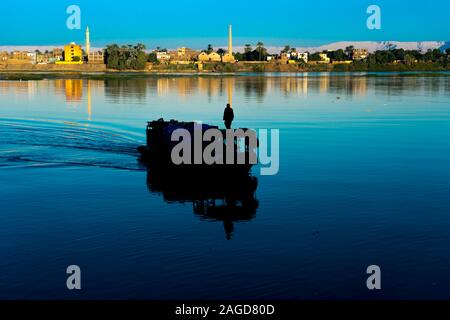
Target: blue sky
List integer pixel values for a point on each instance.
(173, 23)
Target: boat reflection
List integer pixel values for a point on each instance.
(226, 198)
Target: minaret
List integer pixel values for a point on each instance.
(230, 41)
(88, 42)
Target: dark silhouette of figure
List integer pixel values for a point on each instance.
(228, 116)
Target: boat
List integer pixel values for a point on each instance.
(158, 149)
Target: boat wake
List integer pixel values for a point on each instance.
(37, 143)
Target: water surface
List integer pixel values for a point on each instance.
(364, 179)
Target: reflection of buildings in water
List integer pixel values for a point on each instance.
(256, 86)
(304, 83)
(211, 86)
(73, 89)
(32, 88)
(324, 84)
(294, 85)
(162, 86)
(350, 85)
(359, 87)
(184, 86)
(126, 90)
(227, 199)
(45, 85)
(26, 88)
(59, 86)
(89, 102)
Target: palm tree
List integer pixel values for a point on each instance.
(260, 48)
(248, 48)
(221, 51)
(349, 51)
(140, 47)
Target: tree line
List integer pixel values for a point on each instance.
(134, 57)
(126, 57)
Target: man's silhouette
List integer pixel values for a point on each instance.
(228, 116)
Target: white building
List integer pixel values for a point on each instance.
(303, 56)
(162, 56)
(299, 56)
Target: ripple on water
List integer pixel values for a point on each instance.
(36, 143)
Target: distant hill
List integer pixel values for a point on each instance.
(374, 46)
(445, 46)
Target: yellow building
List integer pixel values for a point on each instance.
(324, 58)
(4, 56)
(73, 54)
(203, 56)
(212, 57)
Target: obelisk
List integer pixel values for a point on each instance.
(88, 42)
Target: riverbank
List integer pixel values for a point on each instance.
(36, 76)
(36, 72)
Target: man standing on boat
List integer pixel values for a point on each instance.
(228, 116)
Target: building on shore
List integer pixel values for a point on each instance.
(186, 54)
(299, 56)
(96, 57)
(303, 56)
(162, 56)
(58, 54)
(44, 58)
(324, 58)
(360, 54)
(73, 54)
(22, 57)
(215, 57)
(4, 56)
(212, 57)
(49, 56)
(203, 57)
